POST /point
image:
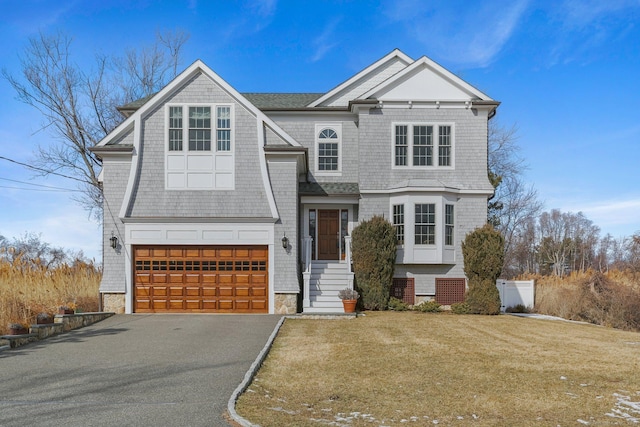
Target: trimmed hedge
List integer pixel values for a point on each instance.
(483, 252)
(373, 252)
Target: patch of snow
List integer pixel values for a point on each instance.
(625, 408)
(279, 409)
(583, 422)
(563, 378)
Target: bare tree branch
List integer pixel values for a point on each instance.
(78, 107)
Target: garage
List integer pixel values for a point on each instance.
(201, 279)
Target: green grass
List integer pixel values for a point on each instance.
(387, 367)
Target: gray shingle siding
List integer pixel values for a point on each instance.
(283, 177)
(373, 204)
(376, 148)
(304, 132)
(364, 85)
(116, 175)
(249, 199)
(470, 214)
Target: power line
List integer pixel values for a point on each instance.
(35, 185)
(40, 169)
(37, 189)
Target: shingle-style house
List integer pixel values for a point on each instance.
(221, 201)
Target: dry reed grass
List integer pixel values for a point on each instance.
(423, 369)
(611, 299)
(26, 291)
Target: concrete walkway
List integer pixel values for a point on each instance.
(132, 370)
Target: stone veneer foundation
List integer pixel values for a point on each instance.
(286, 303)
(113, 303)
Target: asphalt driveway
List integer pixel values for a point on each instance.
(132, 370)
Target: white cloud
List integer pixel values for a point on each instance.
(59, 221)
(580, 30)
(325, 41)
(615, 216)
(253, 17)
(465, 35)
(263, 8)
(580, 13)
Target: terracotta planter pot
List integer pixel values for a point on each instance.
(63, 311)
(18, 331)
(349, 305)
(44, 320)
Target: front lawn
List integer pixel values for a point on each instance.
(424, 369)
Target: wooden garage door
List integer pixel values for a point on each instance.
(206, 279)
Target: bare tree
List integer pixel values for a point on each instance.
(632, 249)
(567, 242)
(514, 204)
(78, 106)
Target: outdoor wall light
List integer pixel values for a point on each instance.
(285, 241)
(113, 241)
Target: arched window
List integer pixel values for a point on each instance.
(328, 150)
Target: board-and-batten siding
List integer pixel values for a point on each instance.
(247, 200)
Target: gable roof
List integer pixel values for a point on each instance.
(441, 84)
(393, 77)
(394, 57)
(269, 101)
(142, 106)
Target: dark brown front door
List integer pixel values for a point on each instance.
(328, 228)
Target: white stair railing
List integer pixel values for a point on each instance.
(347, 250)
(306, 275)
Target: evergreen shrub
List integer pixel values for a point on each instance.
(483, 252)
(428, 307)
(373, 252)
(396, 304)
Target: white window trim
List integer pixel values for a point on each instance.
(213, 154)
(337, 127)
(453, 225)
(436, 253)
(435, 154)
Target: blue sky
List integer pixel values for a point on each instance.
(567, 73)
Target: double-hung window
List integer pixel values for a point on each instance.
(175, 128)
(401, 147)
(444, 145)
(223, 128)
(417, 145)
(398, 223)
(425, 224)
(199, 128)
(422, 145)
(448, 225)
